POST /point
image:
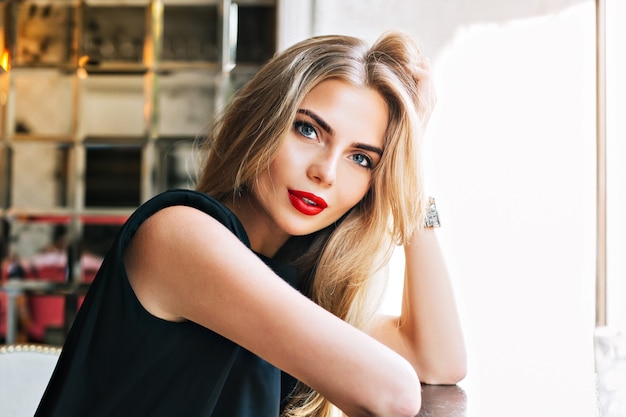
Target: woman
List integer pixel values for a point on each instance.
(216, 302)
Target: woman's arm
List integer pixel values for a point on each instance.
(184, 265)
(428, 332)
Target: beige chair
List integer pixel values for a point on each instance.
(24, 374)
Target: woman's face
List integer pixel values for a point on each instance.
(324, 166)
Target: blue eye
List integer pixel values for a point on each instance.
(362, 160)
(306, 129)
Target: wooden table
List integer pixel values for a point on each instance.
(443, 401)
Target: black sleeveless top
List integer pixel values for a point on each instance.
(119, 360)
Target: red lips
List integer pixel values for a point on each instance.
(307, 203)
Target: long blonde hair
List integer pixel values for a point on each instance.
(339, 260)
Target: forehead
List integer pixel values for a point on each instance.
(349, 109)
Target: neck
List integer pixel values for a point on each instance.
(263, 237)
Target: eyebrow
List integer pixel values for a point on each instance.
(330, 131)
(318, 120)
(370, 148)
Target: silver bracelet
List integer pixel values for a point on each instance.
(432, 215)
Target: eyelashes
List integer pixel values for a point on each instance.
(310, 132)
(306, 129)
(363, 160)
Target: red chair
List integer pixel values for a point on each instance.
(46, 311)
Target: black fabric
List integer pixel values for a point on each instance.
(119, 360)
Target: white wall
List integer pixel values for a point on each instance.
(616, 168)
(511, 160)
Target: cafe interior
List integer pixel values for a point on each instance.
(103, 103)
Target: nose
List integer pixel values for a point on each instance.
(323, 169)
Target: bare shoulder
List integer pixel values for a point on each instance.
(173, 231)
(169, 251)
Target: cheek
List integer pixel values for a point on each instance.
(283, 158)
(354, 188)
(275, 175)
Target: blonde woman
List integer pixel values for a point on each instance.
(253, 295)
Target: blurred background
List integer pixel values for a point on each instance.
(102, 102)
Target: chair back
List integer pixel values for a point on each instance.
(46, 311)
(24, 374)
